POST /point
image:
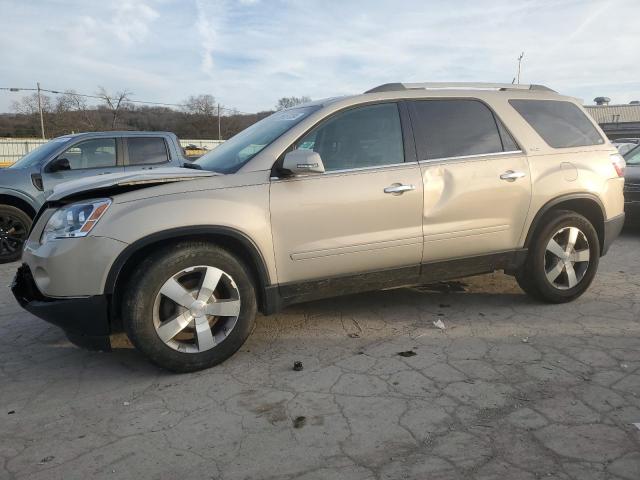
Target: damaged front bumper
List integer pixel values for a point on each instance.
(85, 320)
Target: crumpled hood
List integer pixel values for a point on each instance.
(140, 179)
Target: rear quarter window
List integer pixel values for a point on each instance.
(560, 124)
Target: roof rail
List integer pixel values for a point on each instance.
(394, 87)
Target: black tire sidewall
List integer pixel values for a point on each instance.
(535, 271)
(145, 285)
(22, 217)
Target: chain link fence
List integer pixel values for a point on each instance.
(13, 149)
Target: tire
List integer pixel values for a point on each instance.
(14, 230)
(542, 264)
(149, 310)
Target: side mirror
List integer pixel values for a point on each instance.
(303, 162)
(59, 165)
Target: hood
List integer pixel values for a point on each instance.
(8, 174)
(116, 182)
(15, 178)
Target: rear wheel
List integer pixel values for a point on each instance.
(190, 307)
(563, 259)
(14, 230)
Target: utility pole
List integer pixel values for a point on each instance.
(519, 64)
(40, 109)
(219, 130)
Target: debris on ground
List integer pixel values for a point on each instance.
(297, 366)
(408, 353)
(46, 459)
(445, 305)
(525, 340)
(439, 324)
(299, 422)
(442, 287)
(624, 365)
(11, 412)
(637, 425)
(126, 404)
(353, 335)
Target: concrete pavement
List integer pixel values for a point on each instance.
(510, 389)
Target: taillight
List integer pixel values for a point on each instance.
(618, 163)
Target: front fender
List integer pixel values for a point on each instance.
(34, 203)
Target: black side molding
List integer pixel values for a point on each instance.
(282, 295)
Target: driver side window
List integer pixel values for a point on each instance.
(360, 137)
(97, 153)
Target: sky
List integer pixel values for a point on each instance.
(249, 53)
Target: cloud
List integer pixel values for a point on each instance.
(249, 53)
(207, 34)
(126, 22)
(132, 20)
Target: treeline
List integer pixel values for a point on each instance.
(70, 112)
(183, 124)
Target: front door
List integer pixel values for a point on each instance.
(477, 187)
(363, 214)
(97, 156)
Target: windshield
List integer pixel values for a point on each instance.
(632, 157)
(34, 157)
(235, 152)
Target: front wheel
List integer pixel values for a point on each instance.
(562, 260)
(189, 307)
(14, 229)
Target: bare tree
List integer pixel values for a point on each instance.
(69, 102)
(288, 102)
(28, 105)
(201, 104)
(115, 103)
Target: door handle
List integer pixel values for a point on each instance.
(511, 176)
(398, 189)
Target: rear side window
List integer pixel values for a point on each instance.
(457, 128)
(147, 150)
(560, 124)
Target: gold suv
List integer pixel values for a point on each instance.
(404, 184)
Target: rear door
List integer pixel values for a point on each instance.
(477, 187)
(97, 156)
(146, 153)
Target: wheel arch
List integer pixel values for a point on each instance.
(585, 204)
(229, 238)
(14, 201)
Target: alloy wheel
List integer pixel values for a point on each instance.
(196, 309)
(13, 234)
(567, 258)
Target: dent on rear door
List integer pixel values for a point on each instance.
(469, 210)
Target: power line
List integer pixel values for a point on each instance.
(143, 102)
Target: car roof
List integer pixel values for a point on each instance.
(116, 133)
(398, 91)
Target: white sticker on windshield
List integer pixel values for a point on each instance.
(289, 116)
